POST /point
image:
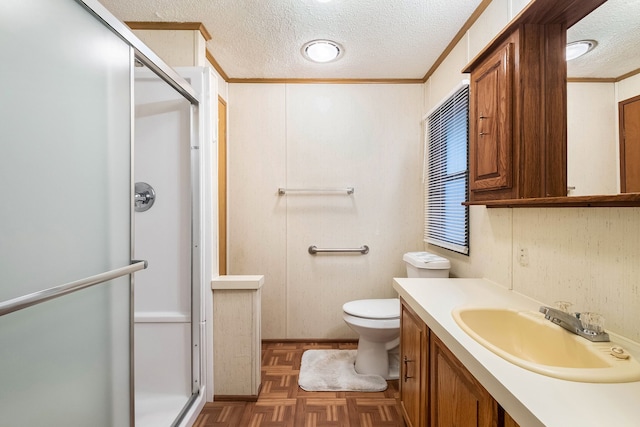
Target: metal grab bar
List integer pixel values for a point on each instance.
(35, 298)
(283, 191)
(364, 249)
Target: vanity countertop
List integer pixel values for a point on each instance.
(531, 399)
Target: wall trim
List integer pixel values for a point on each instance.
(150, 25)
(216, 66)
(329, 81)
(603, 79)
(472, 20)
(309, 340)
(629, 74)
(591, 80)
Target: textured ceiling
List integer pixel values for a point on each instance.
(397, 39)
(382, 39)
(616, 27)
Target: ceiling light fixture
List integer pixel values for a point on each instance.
(579, 48)
(322, 50)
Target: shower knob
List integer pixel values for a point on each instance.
(144, 197)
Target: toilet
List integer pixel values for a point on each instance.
(377, 321)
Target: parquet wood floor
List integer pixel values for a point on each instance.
(282, 403)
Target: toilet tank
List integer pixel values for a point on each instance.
(426, 264)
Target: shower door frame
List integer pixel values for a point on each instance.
(195, 227)
(142, 53)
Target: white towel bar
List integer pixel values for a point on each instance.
(347, 190)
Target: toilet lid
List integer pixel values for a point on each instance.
(373, 308)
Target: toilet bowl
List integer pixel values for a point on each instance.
(377, 321)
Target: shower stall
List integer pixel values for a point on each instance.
(169, 296)
(102, 156)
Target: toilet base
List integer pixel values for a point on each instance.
(373, 358)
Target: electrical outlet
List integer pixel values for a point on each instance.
(523, 257)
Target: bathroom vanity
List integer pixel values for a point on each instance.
(448, 378)
(436, 388)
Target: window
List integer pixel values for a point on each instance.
(446, 178)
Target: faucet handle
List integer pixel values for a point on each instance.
(563, 306)
(592, 322)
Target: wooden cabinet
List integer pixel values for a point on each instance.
(490, 115)
(414, 356)
(508, 421)
(517, 129)
(456, 397)
(518, 105)
(436, 389)
(520, 160)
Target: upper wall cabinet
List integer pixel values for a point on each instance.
(490, 125)
(518, 105)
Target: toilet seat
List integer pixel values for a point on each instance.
(374, 308)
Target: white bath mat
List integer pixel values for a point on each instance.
(333, 370)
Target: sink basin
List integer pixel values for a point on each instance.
(528, 340)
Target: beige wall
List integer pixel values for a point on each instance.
(628, 88)
(592, 134)
(589, 256)
(592, 141)
(318, 136)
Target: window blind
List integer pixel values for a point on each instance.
(446, 173)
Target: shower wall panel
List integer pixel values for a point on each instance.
(162, 293)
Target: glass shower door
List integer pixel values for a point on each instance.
(65, 215)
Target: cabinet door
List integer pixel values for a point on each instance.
(509, 422)
(490, 122)
(456, 397)
(413, 353)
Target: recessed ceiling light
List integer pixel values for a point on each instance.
(579, 48)
(322, 50)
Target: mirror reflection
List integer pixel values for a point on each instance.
(597, 83)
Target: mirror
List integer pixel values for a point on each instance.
(597, 81)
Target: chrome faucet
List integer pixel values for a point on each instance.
(572, 323)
